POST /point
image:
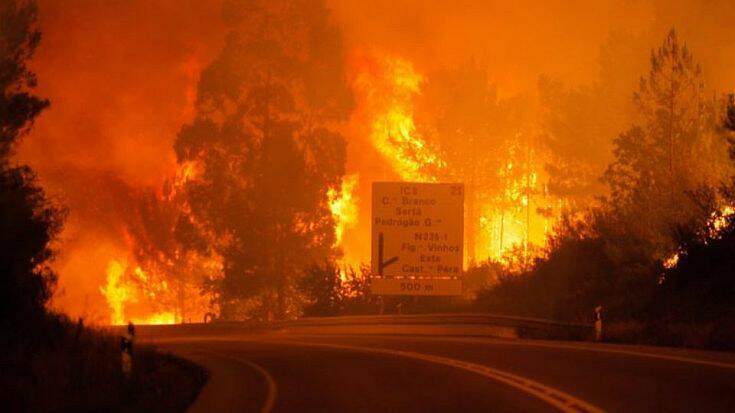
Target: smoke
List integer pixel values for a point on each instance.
(122, 75)
(519, 40)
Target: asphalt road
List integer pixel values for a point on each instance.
(278, 372)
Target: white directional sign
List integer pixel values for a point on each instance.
(417, 233)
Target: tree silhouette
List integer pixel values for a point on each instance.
(268, 155)
(674, 149)
(28, 222)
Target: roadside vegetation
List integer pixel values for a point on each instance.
(65, 366)
(656, 252)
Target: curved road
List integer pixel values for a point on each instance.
(368, 373)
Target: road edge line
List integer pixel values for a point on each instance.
(593, 348)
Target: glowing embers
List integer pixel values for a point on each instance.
(719, 220)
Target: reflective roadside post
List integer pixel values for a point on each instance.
(598, 323)
(126, 348)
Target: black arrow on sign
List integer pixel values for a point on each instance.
(382, 264)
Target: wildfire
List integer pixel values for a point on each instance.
(122, 291)
(343, 205)
(512, 220)
(116, 292)
(184, 173)
(720, 220)
(507, 219)
(671, 261)
(387, 86)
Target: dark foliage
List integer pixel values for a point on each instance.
(69, 367)
(701, 287)
(323, 287)
(28, 222)
(332, 292)
(19, 37)
(264, 141)
(579, 274)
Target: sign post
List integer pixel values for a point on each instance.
(126, 348)
(417, 234)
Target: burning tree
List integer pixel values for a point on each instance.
(264, 143)
(486, 143)
(470, 130)
(174, 260)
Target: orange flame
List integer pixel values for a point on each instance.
(120, 292)
(116, 292)
(387, 86)
(343, 205)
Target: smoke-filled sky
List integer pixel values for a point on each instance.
(121, 77)
(518, 40)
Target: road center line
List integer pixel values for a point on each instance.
(680, 359)
(594, 348)
(272, 389)
(562, 401)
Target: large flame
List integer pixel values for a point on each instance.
(120, 292)
(509, 222)
(116, 292)
(386, 86)
(513, 220)
(158, 284)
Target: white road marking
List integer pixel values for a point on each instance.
(636, 353)
(597, 347)
(272, 389)
(557, 398)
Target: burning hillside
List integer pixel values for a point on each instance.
(206, 159)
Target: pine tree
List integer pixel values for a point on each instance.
(673, 150)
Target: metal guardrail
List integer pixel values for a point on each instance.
(444, 318)
(523, 326)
